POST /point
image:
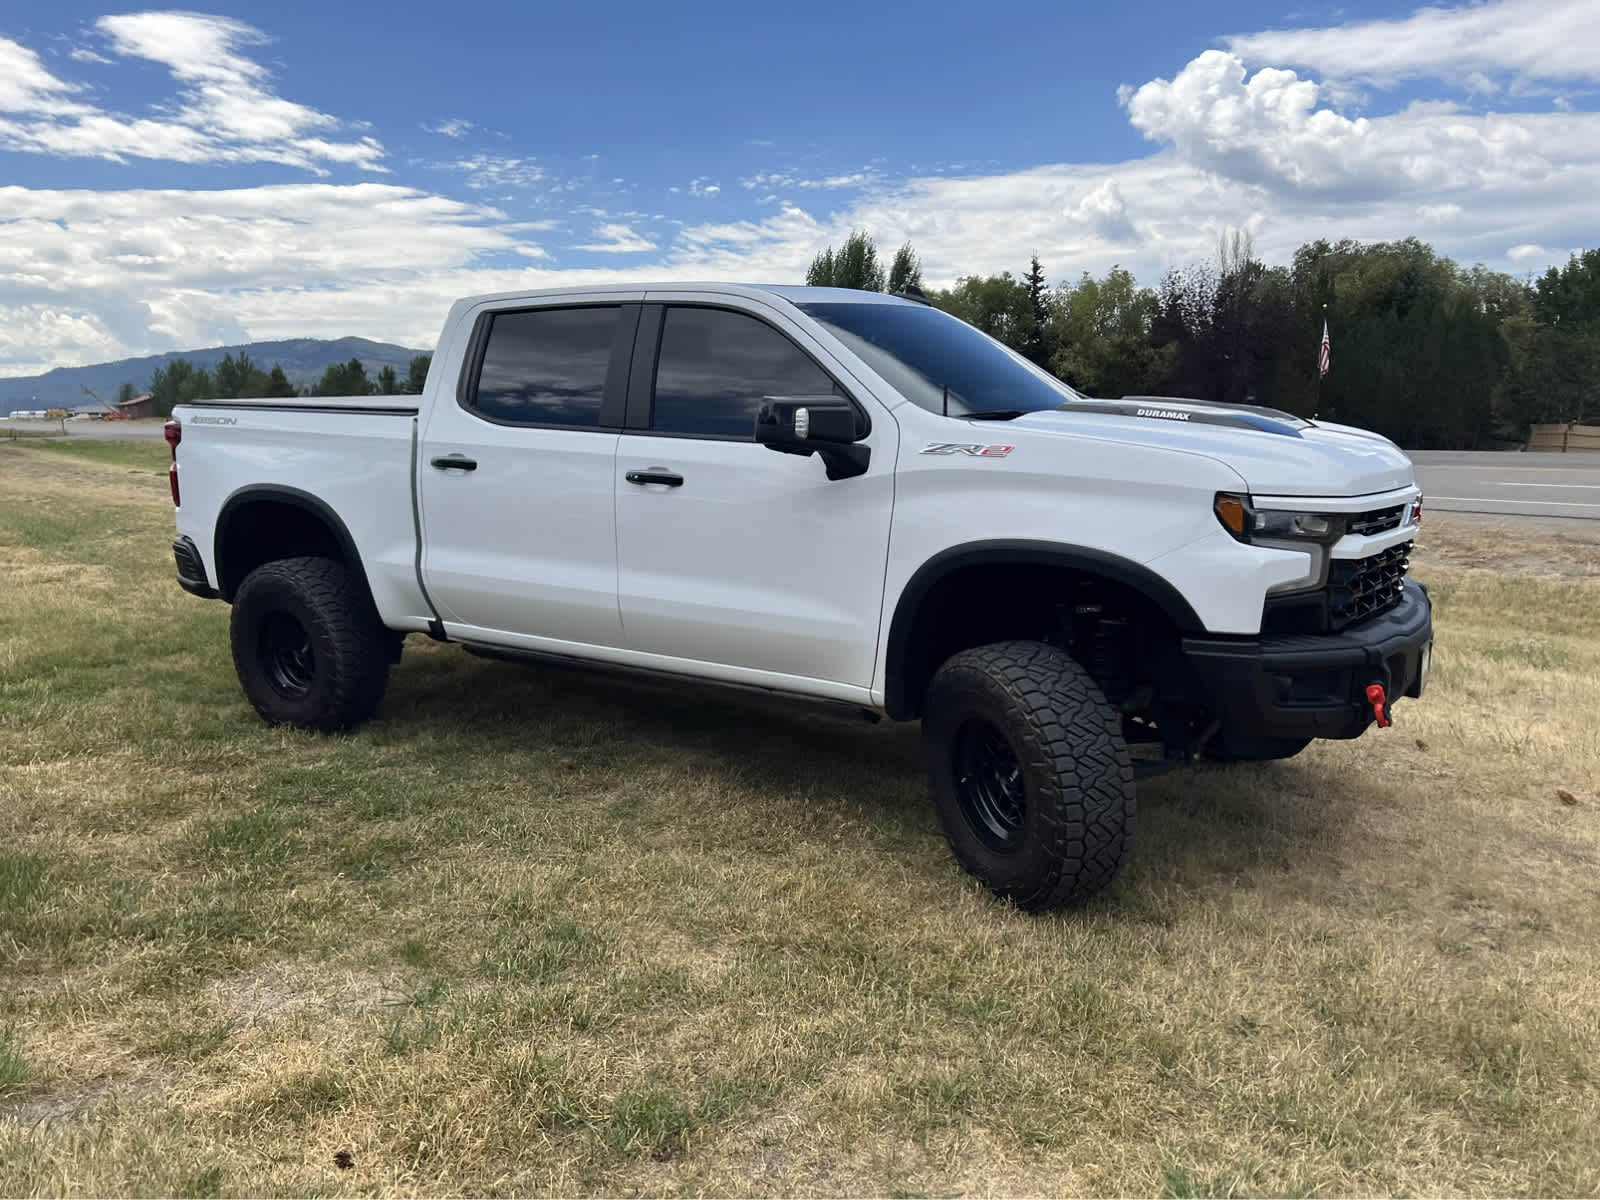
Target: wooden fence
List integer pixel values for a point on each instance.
(1564, 437)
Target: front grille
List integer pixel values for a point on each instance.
(1359, 588)
(1379, 520)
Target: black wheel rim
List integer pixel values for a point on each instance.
(989, 786)
(287, 655)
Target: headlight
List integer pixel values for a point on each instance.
(1249, 524)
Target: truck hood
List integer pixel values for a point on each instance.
(1275, 453)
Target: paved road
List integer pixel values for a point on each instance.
(1511, 484)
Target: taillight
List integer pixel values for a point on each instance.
(173, 432)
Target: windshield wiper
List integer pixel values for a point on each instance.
(995, 414)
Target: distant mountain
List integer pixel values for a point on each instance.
(303, 361)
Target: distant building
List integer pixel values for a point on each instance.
(139, 406)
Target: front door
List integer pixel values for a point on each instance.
(730, 555)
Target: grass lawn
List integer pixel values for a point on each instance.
(536, 932)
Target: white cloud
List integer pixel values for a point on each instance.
(85, 55)
(455, 127)
(789, 179)
(1529, 39)
(615, 238)
(225, 109)
(88, 276)
(1268, 129)
(486, 172)
(27, 86)
(1104, 213)
(1529, 252)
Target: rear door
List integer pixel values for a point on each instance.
(516, 478)
(735, 560)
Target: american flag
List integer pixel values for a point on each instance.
(1325, 355)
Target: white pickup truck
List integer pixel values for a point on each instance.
(838, 496)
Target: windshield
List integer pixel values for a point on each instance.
(921, 352)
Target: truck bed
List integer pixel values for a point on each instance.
(353, 456)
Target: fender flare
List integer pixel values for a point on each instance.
(295, 498)
(1010, 551)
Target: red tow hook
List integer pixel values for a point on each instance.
(1380, 704)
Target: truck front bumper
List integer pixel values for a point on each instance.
(1315, 685)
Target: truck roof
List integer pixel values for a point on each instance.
(795, 293)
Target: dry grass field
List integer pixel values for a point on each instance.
(535, 932)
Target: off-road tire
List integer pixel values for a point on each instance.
(336, 678)
(1071, 831)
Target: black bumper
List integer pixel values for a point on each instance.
(191, 569)
(1314, 685)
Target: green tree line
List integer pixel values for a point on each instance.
(1425, 351)
(181, 382)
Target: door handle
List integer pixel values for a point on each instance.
(655, 475)
(455, 462)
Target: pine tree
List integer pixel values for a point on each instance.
(906, 271)
(853, 265)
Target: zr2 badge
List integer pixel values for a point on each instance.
(971, 450)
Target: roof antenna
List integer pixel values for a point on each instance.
(912, 292)
(947, 399)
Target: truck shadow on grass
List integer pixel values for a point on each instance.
(805, 772)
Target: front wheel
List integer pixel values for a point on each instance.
(309, 647)
(1030, 776)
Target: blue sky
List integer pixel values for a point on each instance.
(177, 179)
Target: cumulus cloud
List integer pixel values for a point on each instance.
(1269, 129)
(1240, 138)
(178, 265)
(1551, 40)
(1104, 212)
(225, 111)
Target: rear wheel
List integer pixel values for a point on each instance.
(1030, 776)
(308, 645)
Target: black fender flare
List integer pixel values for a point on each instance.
(1009, 551)
(275, 493)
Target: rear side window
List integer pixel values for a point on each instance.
(716, 366)
(546, 367)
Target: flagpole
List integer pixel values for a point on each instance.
(1316, 396)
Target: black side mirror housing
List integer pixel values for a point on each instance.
(821, 425)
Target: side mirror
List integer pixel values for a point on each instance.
(822, 425)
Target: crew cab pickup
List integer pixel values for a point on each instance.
(839, 496)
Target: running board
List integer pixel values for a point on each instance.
(674, 678)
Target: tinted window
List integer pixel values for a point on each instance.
(547, 367)
(716, 366)
(921, 352)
